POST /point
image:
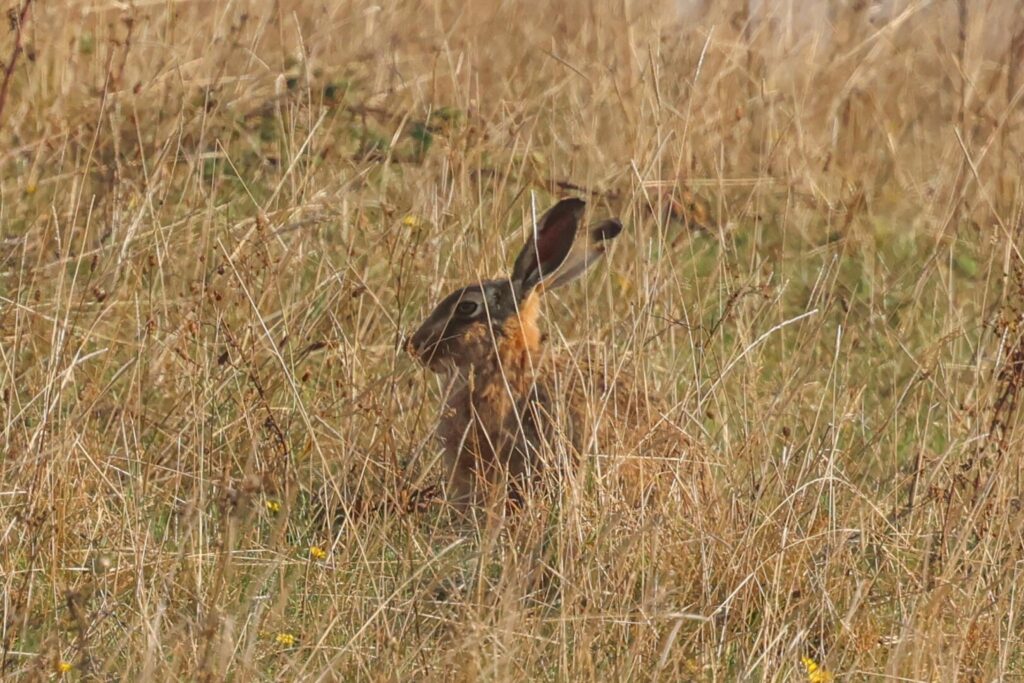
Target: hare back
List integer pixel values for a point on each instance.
(633, 441)
(509, 427)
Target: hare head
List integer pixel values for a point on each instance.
(484, 321)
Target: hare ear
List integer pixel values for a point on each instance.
(586, 253)
(548, 246)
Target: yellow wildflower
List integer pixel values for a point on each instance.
(815, 674)
(624, 283)
(285, 639)
(411, 221)
(273, 506)
(316, 552)
(63, 667)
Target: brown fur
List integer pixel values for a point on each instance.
(492, 419)
(502, 426)
(635, 444)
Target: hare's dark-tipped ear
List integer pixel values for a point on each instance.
(549, 244)
(586, 252)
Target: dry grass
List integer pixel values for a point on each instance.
(218, 219)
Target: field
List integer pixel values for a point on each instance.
(219, 220)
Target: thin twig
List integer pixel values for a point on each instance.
(15, 53)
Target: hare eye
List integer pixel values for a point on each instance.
(467, 308)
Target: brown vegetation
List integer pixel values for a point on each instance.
(219, 220)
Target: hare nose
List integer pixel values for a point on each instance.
(417, 343)
(409, 344)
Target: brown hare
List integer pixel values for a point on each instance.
(514, 415)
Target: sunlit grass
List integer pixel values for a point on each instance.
(218, 222)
